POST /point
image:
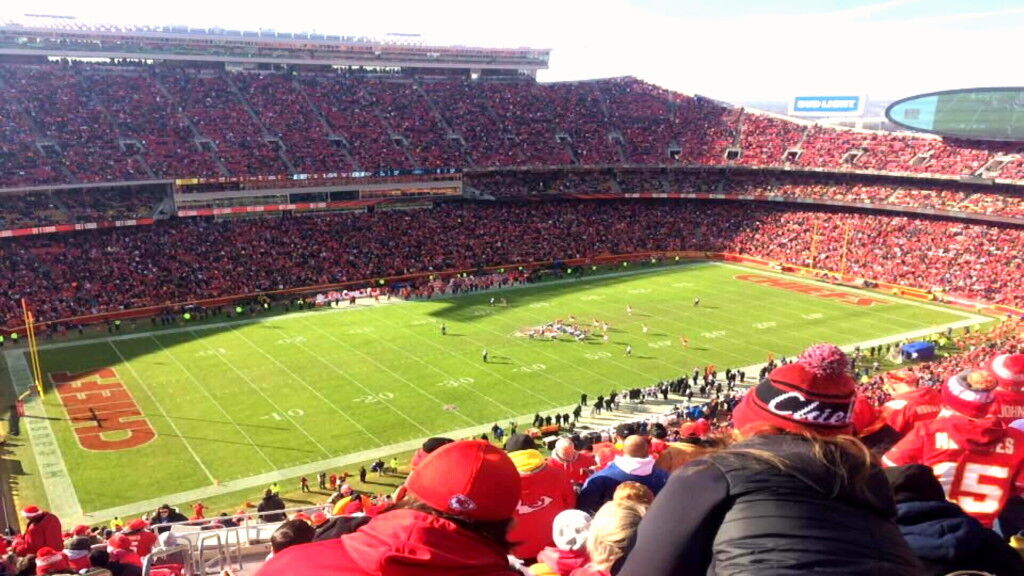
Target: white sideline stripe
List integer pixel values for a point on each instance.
(57, 483)
(310, 468)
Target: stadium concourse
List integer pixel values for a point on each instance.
(786, 478)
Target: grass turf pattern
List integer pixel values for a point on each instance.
(233, 401)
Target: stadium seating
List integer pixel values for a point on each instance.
(184, 259)
(98, 123)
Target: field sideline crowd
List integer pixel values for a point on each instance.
(733, 485)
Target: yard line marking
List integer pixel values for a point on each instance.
(214, 400)
(388, 370)
(265, 397)
(484, 367)
(306, 384)
(345, 375)
(160, 407)
(307, 469)
(53, 471)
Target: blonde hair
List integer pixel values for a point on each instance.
(611, 531)
(633, 492)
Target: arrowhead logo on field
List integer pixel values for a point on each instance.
(103, 413)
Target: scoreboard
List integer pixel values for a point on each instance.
(972, 114)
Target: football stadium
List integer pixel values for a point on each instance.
(301, 303)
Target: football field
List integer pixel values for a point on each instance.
(203, 409)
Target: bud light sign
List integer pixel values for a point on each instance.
(827, 106)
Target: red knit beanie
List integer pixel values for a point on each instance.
(813, 394)
(50, 561)
(469, 478)
(970, 393)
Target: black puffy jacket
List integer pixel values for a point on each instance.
(732, 513)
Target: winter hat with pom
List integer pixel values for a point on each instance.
(814, 394)
(970, 393)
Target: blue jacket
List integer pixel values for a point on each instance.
(600, 487)
(946, 539)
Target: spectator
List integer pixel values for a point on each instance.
(77, 551)
(120, 549)
(43, 530)
(142, 540)
(634, 464)
(611, 532)
(546, 491)
(50, 561)
(166, 515)
(271, 508)
(290, 533)
(455, 520)
(569, 533)
(964, 443)
(944, 538)
(576, 464)
(100, 558)
(794, 496)
(634, 492)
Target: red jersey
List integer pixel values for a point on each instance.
(909, 408)
(1009, 406)
(142, 541)
(979, 462)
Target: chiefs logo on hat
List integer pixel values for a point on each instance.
(460, 503)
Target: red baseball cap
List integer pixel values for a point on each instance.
(471, 479)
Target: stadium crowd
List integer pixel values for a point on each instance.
(190, 259)
(796, 477)
(90, 122)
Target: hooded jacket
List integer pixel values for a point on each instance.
(397, 543)
(731, 513)
(42, 531)
(946, 540)
(600, 487)
(546, 491)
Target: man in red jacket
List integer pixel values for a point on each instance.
(909, 404)
(142, 540)
(43, 530)
(546, 491)
(977, 459)
(461, 499)
(576, 465)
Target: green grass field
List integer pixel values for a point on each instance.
(991, 114)
(232, 401)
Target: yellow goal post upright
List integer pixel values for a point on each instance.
(33, 348)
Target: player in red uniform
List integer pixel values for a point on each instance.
(1009, 372)
(978, 460)
(909, 404)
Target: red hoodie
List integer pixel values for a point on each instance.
(42, 531)
(578, 469)
(396, 543)
(980, 462)
(545, 492)
(552, 560)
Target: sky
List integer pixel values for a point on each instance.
(734, 50)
